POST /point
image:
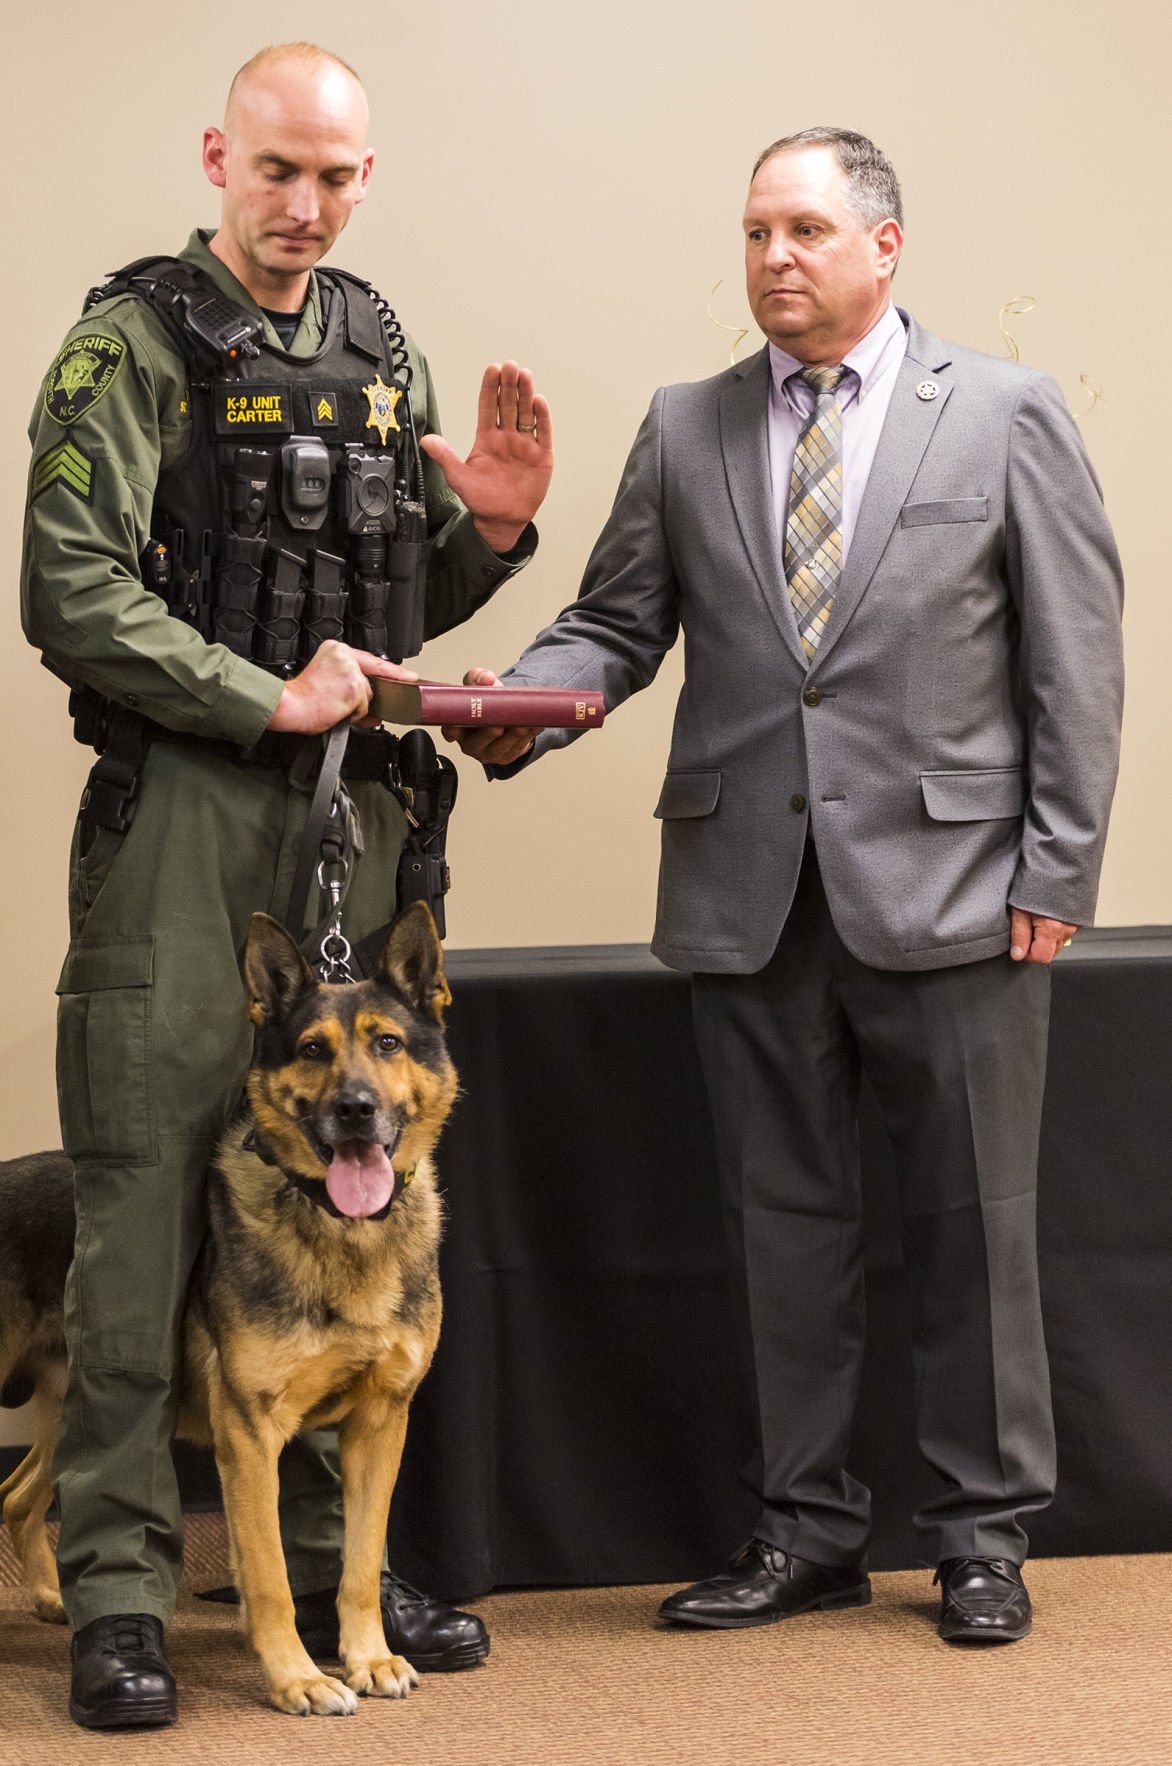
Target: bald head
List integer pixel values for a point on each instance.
(285, 67)
(291, 162)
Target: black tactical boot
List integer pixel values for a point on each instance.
(434, 1637)
(121, 1678)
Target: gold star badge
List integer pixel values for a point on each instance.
(383, 400)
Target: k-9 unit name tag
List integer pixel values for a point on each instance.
(253, 410)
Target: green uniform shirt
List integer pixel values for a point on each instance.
(112, 414)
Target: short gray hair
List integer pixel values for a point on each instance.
(872, 186)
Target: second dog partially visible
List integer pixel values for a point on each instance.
(315, 1301)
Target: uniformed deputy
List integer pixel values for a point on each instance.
(186, 568)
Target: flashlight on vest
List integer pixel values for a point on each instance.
(407, 582)
(366, 626)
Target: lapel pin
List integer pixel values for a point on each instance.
(927, 390)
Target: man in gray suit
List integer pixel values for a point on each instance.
(884, 812)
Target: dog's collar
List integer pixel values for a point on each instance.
(313, 1187)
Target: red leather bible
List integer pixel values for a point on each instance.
(534, 708)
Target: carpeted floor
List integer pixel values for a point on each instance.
(581, 1676)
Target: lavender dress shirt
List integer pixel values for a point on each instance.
(864, 396)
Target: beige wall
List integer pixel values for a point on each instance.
(565, 184)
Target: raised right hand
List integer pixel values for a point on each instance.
(491, 744)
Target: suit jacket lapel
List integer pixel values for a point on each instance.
(907, 430)
(744, 435)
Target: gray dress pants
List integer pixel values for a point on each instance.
(957, 1060)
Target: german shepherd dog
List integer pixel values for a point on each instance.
(315, 1301)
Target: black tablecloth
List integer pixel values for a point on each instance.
(583, 1422)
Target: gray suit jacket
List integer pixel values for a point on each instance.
(954, 744)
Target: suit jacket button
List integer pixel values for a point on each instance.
(797, 802)
(812, 696)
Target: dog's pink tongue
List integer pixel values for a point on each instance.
(361, 1179)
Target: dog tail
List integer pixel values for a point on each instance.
(14, 1480)
(25, 1496)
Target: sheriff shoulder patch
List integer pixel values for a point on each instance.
(85, 369)
(65, 464)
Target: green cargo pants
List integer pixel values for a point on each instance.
(153, 1045)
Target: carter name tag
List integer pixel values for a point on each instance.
(252, 410)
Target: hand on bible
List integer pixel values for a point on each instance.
(331, 686)
(490, 744)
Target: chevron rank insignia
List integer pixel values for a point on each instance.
(323, 410)
(65, 464)
(85, 369)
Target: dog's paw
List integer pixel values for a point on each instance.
(47, 1606)
(316, 1695)
(386, 1677)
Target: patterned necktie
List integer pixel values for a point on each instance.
(813, 530)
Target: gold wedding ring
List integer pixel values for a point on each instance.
(528, 428)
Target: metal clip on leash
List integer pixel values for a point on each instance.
(334, 953)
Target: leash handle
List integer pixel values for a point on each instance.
(309, 851)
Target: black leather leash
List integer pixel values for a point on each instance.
(424, 784)
(321, 843)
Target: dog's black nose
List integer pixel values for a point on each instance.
(355, 1107)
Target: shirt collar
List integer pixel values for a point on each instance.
(866, 363)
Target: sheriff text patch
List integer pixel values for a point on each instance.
(85, 369)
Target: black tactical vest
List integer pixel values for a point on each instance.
(297, 513)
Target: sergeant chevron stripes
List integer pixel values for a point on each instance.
(65, 464)
(813, 534)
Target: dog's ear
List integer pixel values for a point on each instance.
(413, 961)
(274, 970)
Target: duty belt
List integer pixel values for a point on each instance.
(122, 738)
(423, 782)
(370, 754)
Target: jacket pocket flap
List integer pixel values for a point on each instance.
(974, 797)
(688, 794)
(959, 509)
(93, 968)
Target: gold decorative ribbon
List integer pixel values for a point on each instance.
(1096, 393)
(1021, 303)
(742, 331)
(1025, 303)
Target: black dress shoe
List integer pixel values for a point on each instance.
(435, 1638)
(982, 1600)
(121, 1678)
(764, 1583)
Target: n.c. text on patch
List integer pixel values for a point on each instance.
(253, 410)
(85, 369)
